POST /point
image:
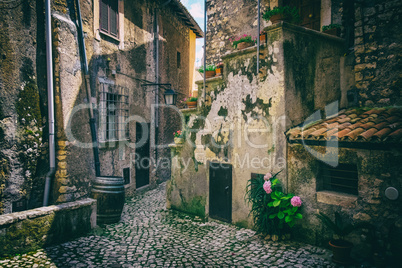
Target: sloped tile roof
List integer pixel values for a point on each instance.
(376, 125)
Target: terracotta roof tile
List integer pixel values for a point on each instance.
(356, 125)
(367, 134)
(382, 133)
(396, 135)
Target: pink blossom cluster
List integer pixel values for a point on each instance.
(267, 187)
(268, 176)
(177, 133)
(296, 201)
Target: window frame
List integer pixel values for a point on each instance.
(108, 32)
(117, 129)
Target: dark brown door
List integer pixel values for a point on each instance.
(220, 191)
(142, 162)
(309, 11)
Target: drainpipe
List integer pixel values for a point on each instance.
(205, 47)
(156, 38)
(50, 100)
(258, 39)
(92, 122)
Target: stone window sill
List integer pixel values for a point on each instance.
(335, 198)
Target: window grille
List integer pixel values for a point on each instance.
(114, 112)
(109, 17)
(343, 178)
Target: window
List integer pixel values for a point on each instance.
(109, 17)
(113, 109)
(178, 60)
(343, 179)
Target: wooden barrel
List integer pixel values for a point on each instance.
(109, 193)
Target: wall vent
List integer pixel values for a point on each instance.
(343, 179)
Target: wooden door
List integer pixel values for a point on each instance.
(310, 12)
(142, 155)
(220, 191)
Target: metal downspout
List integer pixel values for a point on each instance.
(205, 47)
(156, 38)
(50, 100)
(258, 38)
(92, 122)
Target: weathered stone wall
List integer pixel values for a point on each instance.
(244, 116)
(22, 103)
(227, 19)
(128, 62)
(378, 52)
(377, 170)
(29, 230)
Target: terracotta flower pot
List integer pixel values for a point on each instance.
(219, 71)
(191, 104)
(333, 31)
(263, 38)
(178, 140)
(244, 45)
(278, 18)
(209, 74)
(341, 251)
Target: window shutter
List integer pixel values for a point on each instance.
(104, 15)
(114, 11)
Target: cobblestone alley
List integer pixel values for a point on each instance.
(151, 236)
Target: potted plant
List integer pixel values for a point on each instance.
(332, 29)
(341, 248)
(209, 70)
(178, 137)
(242, 42)
(219, 69)
(191, 102)
(285, 13)
(263, 37)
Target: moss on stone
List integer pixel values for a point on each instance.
(4, 175)
(223, 112)
(26, 236)
(28, 105)
(242, 224)
(196, 206)
(250, 106)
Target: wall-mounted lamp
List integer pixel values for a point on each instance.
(169, 95)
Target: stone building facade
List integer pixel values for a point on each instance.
(305, 75)
(121, 59)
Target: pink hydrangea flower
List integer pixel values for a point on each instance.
(296, 201)
(267, 176)
(267, 187)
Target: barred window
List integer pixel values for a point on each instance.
(113, 109)
(343, 178)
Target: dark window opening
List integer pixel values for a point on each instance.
(126, 175)
(109, 17)
(178, 60)
(342, 179)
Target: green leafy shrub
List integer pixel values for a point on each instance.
(273, 211)
(240, 39)
(330, 26)
(207, 68)
(290, 12)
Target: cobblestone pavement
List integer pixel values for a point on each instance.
(151, 236)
